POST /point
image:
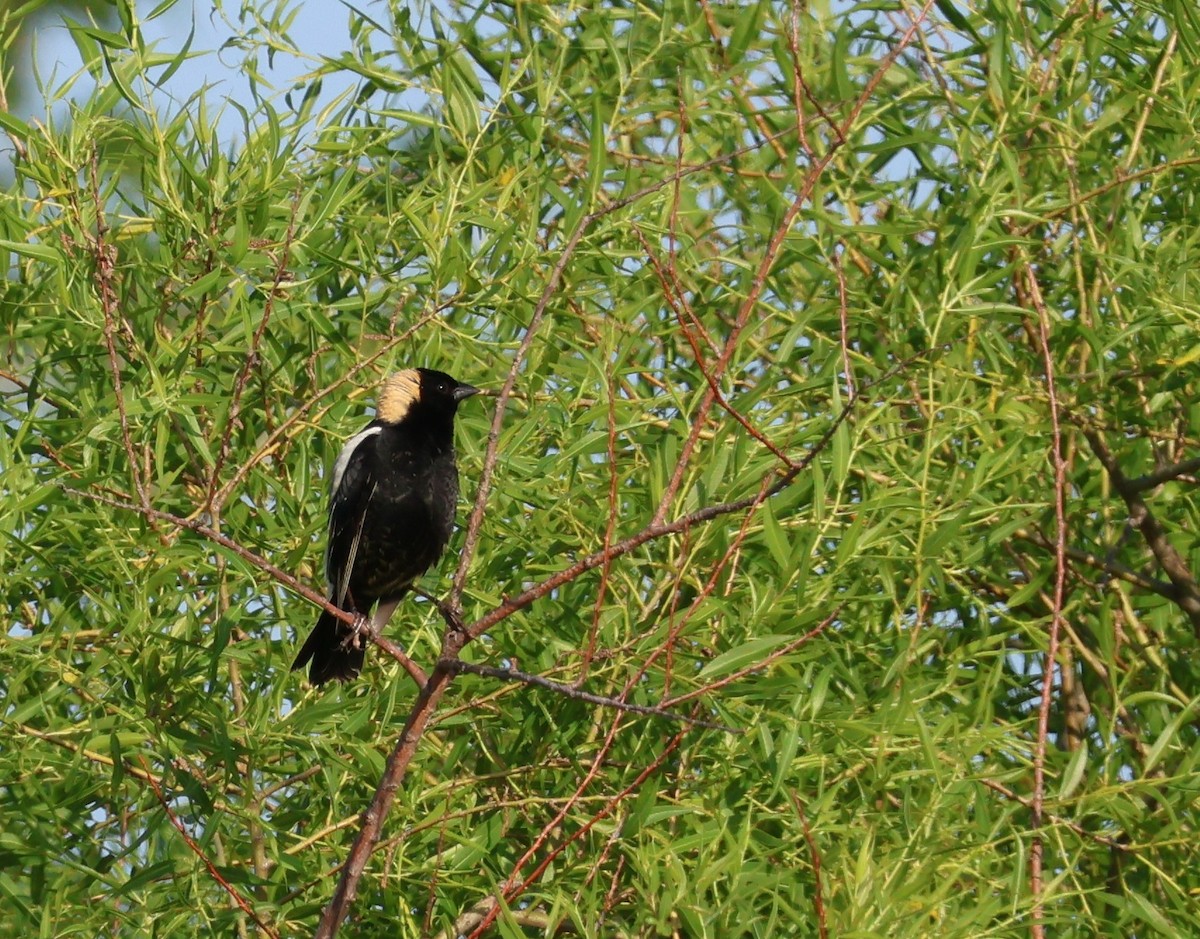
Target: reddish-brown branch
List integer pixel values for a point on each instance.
(677, 301)
(779, 653)
(680, 524)
(199, 852)
(513, 892)
(105, 257)
(458, 666)
(1186, 590)
(258, 561)
(667, 648)
(815, 855)
(492, 451)
(551, 826)
(1034, 295)
(250, 364)
(799, 88)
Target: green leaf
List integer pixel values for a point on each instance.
(38, 252)
(741, 656)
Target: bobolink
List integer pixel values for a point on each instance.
(391, 510)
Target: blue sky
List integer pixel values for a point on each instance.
(318, 28)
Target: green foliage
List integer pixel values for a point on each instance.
(196, 327)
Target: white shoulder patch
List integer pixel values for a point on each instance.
(343, 460)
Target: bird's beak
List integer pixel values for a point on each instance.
(464, 391)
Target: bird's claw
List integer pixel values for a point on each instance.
(360, 634)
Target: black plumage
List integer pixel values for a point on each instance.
(391, 511)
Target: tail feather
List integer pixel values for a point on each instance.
(330, 658)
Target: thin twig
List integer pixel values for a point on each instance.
(553, 824)
(458, 666)
(738, 82)
(105, 257)
(677, 301)
(1056, 819)
(492, 451)
(284, 578)
(1187, 590)
(212, 868)
(843, 318)
(815, 855)
(799, 88)
(515, 891)
(1056, 616)
(759, 665)
(251, 362)
(1163, 474)
(1168, 166)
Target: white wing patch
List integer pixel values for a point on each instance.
(343, 460)
(339, 470)
(343, 586)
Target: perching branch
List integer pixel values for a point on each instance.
(1187, 591)
(1112, 568)
(1164, 474)
(458, 666)
(257, 560)
(1029, 291)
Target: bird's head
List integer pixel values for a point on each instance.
(424, 389)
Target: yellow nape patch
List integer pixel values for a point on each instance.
(400, 392)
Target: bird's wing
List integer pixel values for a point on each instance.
(351, 491)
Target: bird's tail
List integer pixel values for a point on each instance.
(331, 656)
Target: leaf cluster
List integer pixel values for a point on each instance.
(778, 221)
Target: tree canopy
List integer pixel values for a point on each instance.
(842, 386)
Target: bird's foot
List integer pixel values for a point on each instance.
(360, 634)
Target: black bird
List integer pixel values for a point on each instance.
(391, 510)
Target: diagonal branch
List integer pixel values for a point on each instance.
(216, 875)
(1111, 568)
(1187, 591)
(257, 560)
(250, 364)
(1031, 292)
(458, 666)
(105, 256)
(1164, 474)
